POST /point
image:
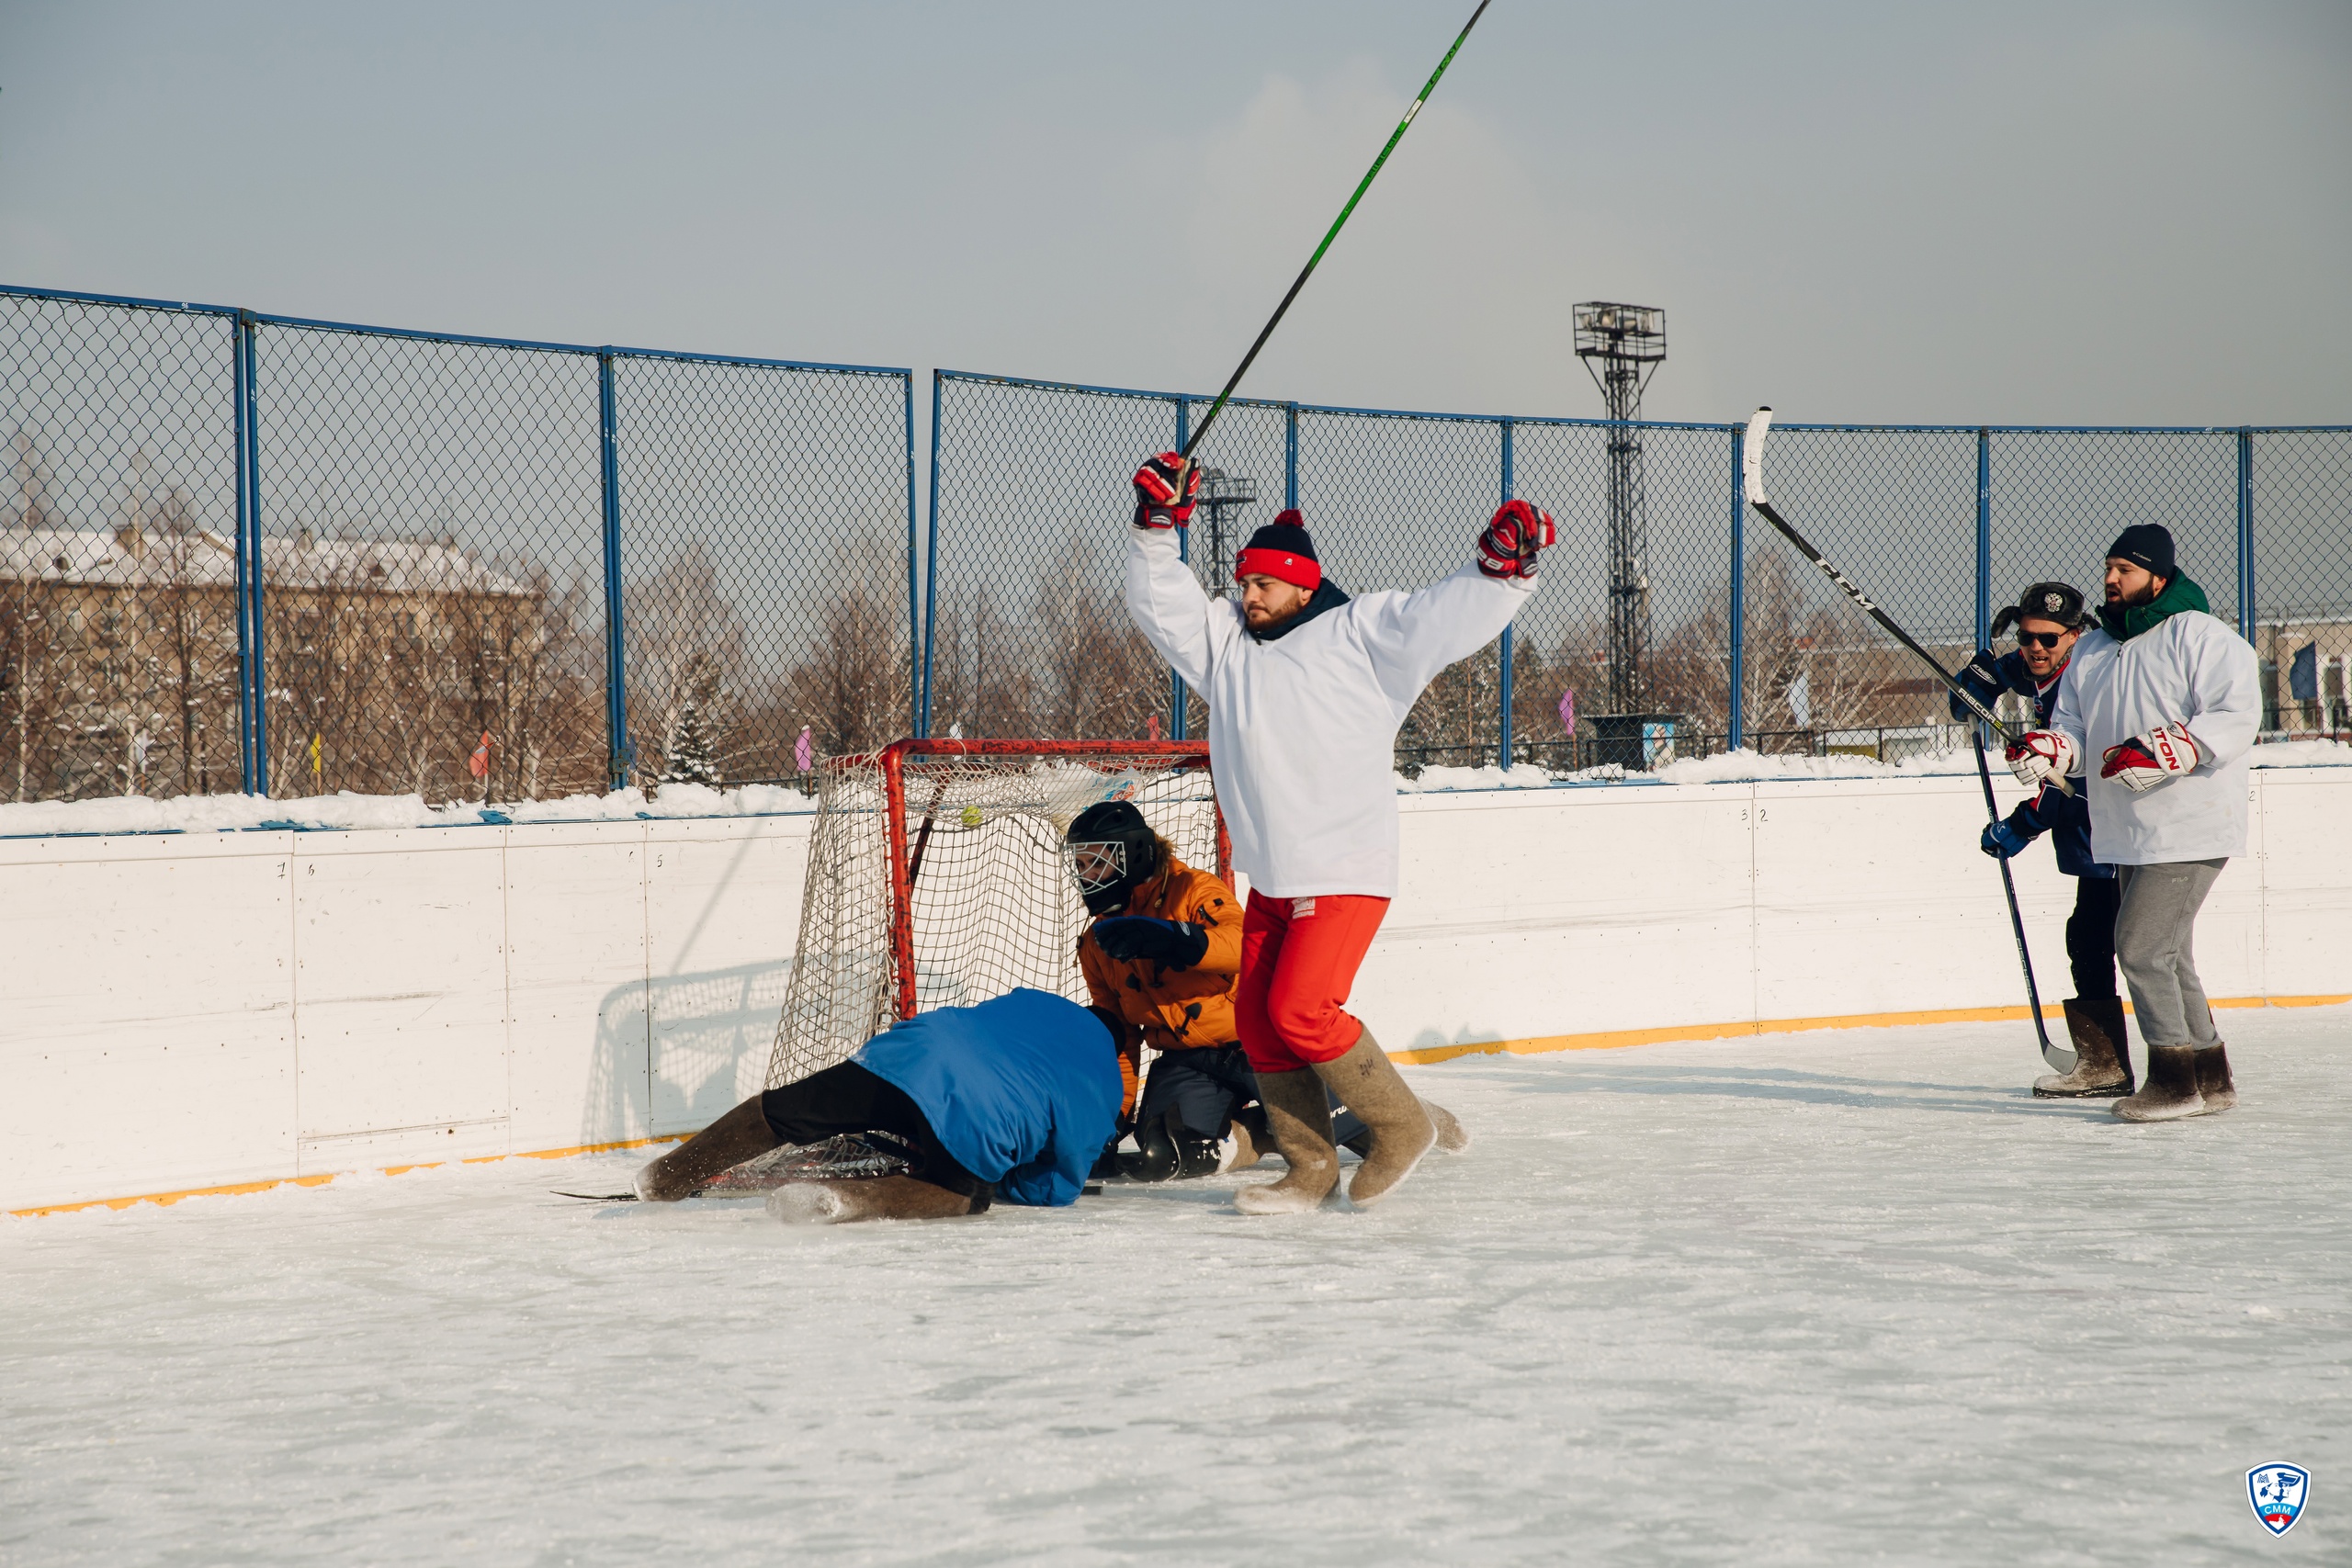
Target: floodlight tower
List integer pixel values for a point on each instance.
(1222, 494)
(1621, 346)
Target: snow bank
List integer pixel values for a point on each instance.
(233, 813)
(2303, 754)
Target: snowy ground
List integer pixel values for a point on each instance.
(1825, 1298)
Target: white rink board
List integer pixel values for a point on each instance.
(193, 1010)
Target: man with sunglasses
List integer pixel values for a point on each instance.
(2169, 699)
(2049, 618)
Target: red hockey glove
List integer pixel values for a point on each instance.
(1159, 504)
(1508, 547)
(2040, 755)
(2147, 760)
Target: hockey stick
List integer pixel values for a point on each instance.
(2060, 1058)
(1752, 466)
(1394, 137)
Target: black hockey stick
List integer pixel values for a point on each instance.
(1752, 467)
(2060, 1058)
(1396, 136)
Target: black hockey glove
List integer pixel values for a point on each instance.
(1982, 676)
(1177, 944)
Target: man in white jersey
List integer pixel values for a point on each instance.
(1305, 690)
(2169, 699)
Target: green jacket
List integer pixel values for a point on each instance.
(2180, 594)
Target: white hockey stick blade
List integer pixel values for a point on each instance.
(1752, 459)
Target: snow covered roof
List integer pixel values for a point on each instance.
(125, 558)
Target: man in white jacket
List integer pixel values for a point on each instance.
(2169, 699)
(1305, 690)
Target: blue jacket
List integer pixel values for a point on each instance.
(1023, 1090)
(2067, 819)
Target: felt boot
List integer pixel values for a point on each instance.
(2170, 1092)
(2102, 1069)
(1366, 1082)
(1298, 1114)
(2213, 1082)
(874, 1198)
(742, 1133)
(1451, 1137)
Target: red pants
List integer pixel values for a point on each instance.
(1299, 963)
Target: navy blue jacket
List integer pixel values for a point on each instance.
(2067, 819)
(1023, 1090)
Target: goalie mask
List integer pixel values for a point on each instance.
(1112, 852)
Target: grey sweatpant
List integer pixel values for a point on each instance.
(2154, 930)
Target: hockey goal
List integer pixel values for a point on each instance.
(937, 877)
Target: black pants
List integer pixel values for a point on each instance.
(1204, 1085)
(845, 1097)
(2090, 936)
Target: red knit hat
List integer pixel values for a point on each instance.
(1283, 551)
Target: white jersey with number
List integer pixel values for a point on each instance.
(1302, 728)
(2187, 668)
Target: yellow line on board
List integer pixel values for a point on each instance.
(1617, 1039)
(322, 1177)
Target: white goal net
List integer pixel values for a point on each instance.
(936, 877)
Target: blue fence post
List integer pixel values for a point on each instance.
(915, 645)
(1290, 455)
(617, 754)
(930, 561)
(253, 769)
(258, 651)
(1984, 536)
(1502, 726)
(1736, 729)
(2245, 533)
(1184, 553)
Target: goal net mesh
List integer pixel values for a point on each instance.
(989, 903)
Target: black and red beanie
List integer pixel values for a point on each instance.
(1283, 551)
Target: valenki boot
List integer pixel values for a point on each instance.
(742, 1133)
(2213, 1080)
(1402, 1131)
(2102, 1068)
(1451, 1137)
(2170, 1092)
(1298, 1114)
(874, 1198)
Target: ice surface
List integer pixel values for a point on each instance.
(1826, 1298)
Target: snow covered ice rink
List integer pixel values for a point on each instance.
(1826, 1298)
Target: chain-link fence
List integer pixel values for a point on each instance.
(251, 552)
(1662, 599)
(290, 556)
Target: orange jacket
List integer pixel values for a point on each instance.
(1173, 1010)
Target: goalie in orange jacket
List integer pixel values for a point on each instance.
(1164, 954)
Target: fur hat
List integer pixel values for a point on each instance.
(2056, 602)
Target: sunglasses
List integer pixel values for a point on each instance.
(2038, 639)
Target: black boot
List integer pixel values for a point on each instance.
(2102, 1062)
(1155, 1155)
(2213, 1082)
(2170, 1092)
(742, 1133)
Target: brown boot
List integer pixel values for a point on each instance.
(741, 1134)
(2170, 1092)
(1298, 1114)
(2213, 1082)
(870, 1197)
(1402, 1131)
(2102, 1068)
(1451, 1137)
(1245, 1142)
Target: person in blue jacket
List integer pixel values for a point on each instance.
(2049, 616)
(1010, 1100)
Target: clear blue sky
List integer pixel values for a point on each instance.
(2085, 212)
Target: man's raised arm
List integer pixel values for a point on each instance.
(1162, 594)
(1411, 637)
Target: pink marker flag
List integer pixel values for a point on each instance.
(1568, 710)
(804, 750)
